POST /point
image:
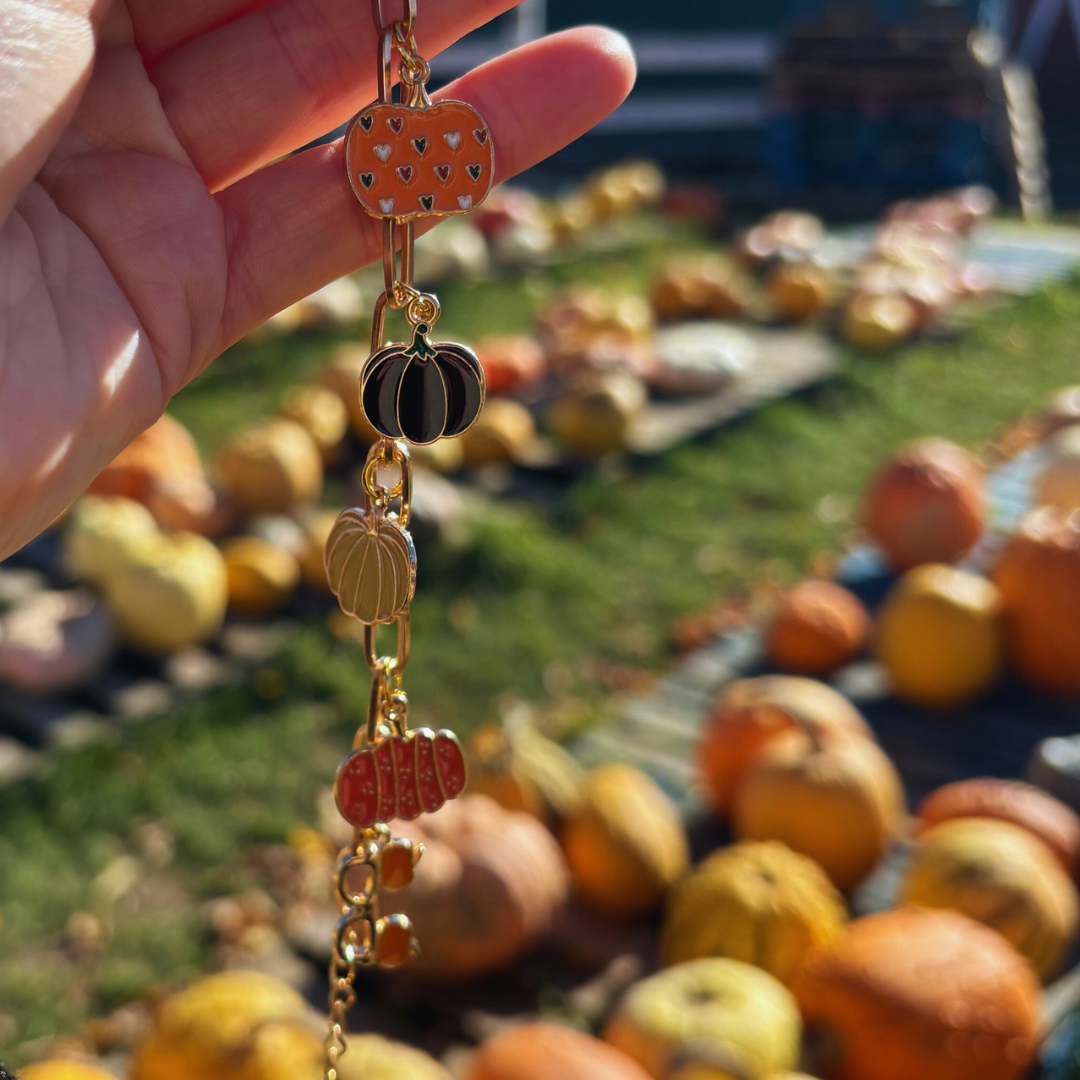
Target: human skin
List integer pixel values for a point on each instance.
(150, 215)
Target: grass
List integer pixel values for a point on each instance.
(528, 605)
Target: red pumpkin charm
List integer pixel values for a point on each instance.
(423, 391)
(402, 776)
(405, 163)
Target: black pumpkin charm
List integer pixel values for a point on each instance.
(423, 391)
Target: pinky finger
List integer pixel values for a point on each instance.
(296, 225)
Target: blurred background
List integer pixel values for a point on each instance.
(753, 594)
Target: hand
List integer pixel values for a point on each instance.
(144, 226)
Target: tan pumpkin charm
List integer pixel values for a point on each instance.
(371, 566)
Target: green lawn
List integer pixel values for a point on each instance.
(526, 605)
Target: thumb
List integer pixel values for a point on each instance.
(45, 62)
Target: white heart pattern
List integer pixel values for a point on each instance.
(465, 202)
(386, 205)
(382, 151)
(453, 139)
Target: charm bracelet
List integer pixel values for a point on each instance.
(406, 159)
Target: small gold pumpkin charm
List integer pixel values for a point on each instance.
(371, 566)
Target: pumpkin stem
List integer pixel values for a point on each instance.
(421, 349)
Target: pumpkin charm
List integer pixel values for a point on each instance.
(423, 391)
(402, 776)
(405, 163)
(371, 566)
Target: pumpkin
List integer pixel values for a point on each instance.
(840, 803)
(55, 641)
(721, 1010)
(1001, 875)
(422, 392)
(799, 292)
(316, 527)
(595, 417)
(511, 363)
(1058, 482)
(59, 1069)
(1038, 574)
(624, 842)
(926, 504)
(584, 325)
(402, 776)
(687, 289)
(795, 230)
(371, 1057)
(941, 636)
(504, 429)
(542, 1051)
(261, 576)
(165, 449)
(819, 628)
(920, 993)
(271, 468)
(239, 1025)
(405, 163)
(371, 566)
(748, 713)
(171, 597)
(342, 376)
(322, 414)
(103, 533)
(187, 503)
(489, 885)
(759, 903)
(1054, 823)
(878, 323)
(523, 770)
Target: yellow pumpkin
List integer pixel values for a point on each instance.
(103, 533)
(261, 576)
(941, 635)
(624, 842)
(840, 803)
(170, 597)
(501, 432)
(523, 770)
(271, 468)
(239, 1025)
(371, 1057)
(595, 417)
(322, 414)
(1001, 875)
(716, 1012)
(757, 902)
(876, 323)
(58, 1069)
(342, 376)
(799, 292)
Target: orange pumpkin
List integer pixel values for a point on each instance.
(799, 292)
(1039, 578)
(488, 886)
(922, 995)
(164, 450)
(751, 712)
(1025, 805)
(926, 504)
(840, 803)
(412, 162)
(547, 1051)
(511, 363)
(818, 628)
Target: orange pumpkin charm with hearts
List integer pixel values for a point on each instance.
(404, 163)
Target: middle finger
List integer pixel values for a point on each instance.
(269, 82)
